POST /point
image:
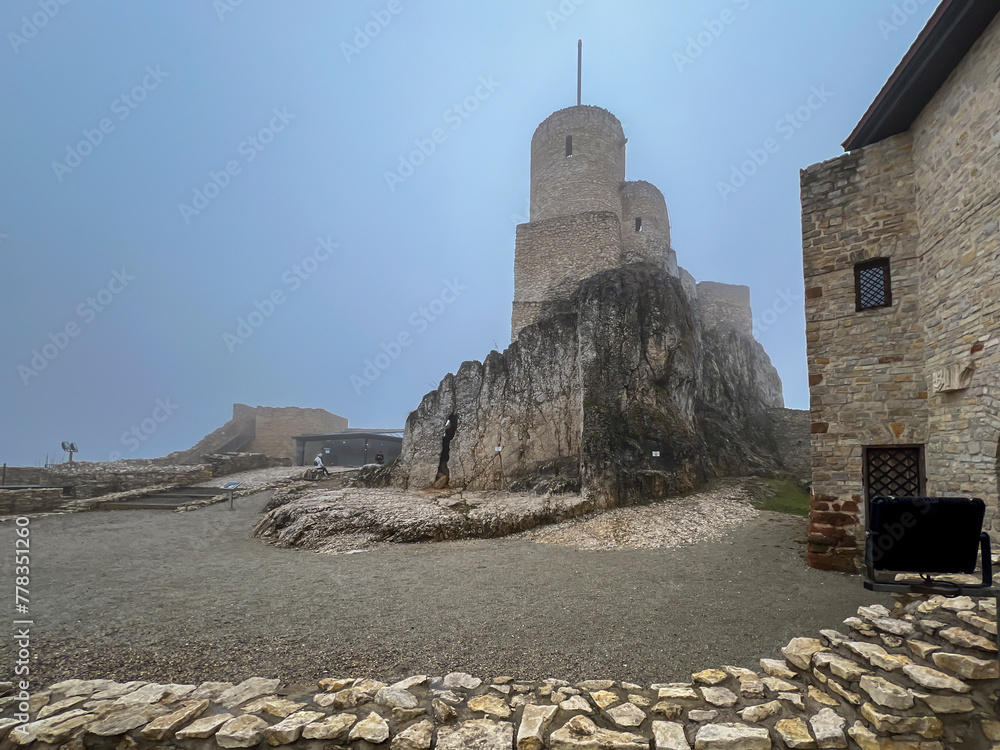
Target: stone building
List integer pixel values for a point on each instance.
(901, 256)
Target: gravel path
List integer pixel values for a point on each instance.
(186, 597)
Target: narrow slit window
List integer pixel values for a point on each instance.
(872, 284)
(569, 145)
(638, 223)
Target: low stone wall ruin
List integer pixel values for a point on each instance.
(923, 676)
(33, 500)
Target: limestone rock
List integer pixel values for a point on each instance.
(981, 623)
(828, 729)
(840, 666)
(667, 710)
(373, 728)
(394, 697)
(580, 733)
(351, 697)
(677, 692)
(331, 728)
(419, 736)
(760, 712)
(535, 721)
(926, 726)
(886, 693)
(125, 720)
(893, 626)
(604, 698)
(243, 731)
(878, 656)
(794, 698)
(576, 703)
(751, 687)
(821, 697)
(640, 700)
(778, 685)
(442, 711)
(247, 690)
(947, 704)
(699, 715)
(449, 697)
(992, 730)
(335, 684)
(58, 707)
(411, 682)
(209, 690)
(935, 680)
(71, 688)
(795, 734)
(481, 734)
(835, 637)
(273, 705)
(668, 736)
(203, 727)
(777, 668)
(591, 685)
(290, 728)
(799, 651)
(922, 648)
(165, 726)
(732, 737)
(627, 715)
(710, 677)
(968, 667)
(720, 696)
(462, 680)
(965, 639)
(492, 705)
(851, 697)
(958, 603)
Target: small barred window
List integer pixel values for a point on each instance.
(872, 286)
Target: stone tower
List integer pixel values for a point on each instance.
(585, 217)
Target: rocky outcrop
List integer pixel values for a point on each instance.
(626, 394)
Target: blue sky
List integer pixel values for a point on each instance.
(196, 205)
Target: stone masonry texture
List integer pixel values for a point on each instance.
(898, 679)
(928, 200)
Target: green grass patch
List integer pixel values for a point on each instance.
(784, 496)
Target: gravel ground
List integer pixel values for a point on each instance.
(187, 597)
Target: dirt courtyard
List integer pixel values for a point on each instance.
(188, 597)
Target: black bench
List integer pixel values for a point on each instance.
(928, 536)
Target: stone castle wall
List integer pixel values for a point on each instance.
(590, 178)
(957, 154)
(553, 256)
(725, 306)
(790, 428)
(865, 368)
(40, 500)
(642, 202)
(277, 425)
(928, 200)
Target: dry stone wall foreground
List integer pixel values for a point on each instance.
(923, 676)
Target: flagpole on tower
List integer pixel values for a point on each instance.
(579, 72)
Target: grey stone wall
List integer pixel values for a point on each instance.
(928, 201)
(725, 306)
(44, 500)
(588, 180)
(552, 257)
(790, 428)
(96, 479)
(643, 201)
(24, 475)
